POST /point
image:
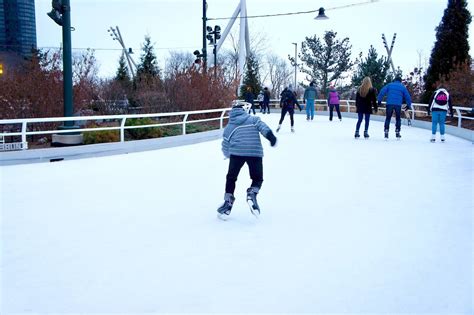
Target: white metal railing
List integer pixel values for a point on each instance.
(120, 118)
(350, 104)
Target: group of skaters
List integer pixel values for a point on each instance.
(241, 139)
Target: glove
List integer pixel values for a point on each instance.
(271, 137)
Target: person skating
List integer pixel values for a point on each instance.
(365, 101)
(333, 102)
(241, 144)
(266, 100)
(287, 102)
(439, 104)
(310, 95)
(249, 98)
(396, 94)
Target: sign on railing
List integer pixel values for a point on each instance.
(13, 146)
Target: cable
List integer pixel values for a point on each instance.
(291, 13)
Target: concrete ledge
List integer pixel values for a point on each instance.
(104, 149)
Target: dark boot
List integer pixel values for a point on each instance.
(226, 208)
(252, 200)
(366, 134)
(357, 135)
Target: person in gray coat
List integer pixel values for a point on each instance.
(241, 144)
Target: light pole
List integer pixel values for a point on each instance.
(204, 29)
(213, 36)
(116, 35)
(61, 14)
(296, 62)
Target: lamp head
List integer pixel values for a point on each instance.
(321, 15)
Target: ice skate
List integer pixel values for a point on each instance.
(278, 128)
(398, 135)
(223, 211)
(385, 135)
(366, 135)
(433, 138)
(443, 139)
(357, 135)
(252, 200)
(292, 129)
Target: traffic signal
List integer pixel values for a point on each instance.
(57, 11)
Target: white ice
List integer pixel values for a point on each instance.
(347, 226)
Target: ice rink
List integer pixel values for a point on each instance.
(347, 226)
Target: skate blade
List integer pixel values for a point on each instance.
(255, 212)
(222, 216)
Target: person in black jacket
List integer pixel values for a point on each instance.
(249, 98)
(365, 100)
(287, 103)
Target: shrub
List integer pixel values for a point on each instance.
(142, 133)
(101, 136)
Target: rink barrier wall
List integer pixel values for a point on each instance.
(23, 155)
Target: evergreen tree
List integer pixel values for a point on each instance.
(375, 68)
(251, 77)
(148, 68)
(451, 47)
(325, 61)
(122, 73)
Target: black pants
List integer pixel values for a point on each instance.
(331, 109)
(285, 110)
(236, 162)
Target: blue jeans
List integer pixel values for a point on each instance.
(310, 109)
(359, 121)
(438, 117)
(388, 117)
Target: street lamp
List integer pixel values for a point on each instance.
(199, 57)
(321, 15)
(296, 62)
(213, 35)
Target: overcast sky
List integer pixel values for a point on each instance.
(176, 25)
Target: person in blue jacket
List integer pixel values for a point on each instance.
(397, 94)
(241, 144)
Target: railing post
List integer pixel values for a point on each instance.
(23, 135)
(122, 129)
(459, 117)
(222, 119)
(184, 123)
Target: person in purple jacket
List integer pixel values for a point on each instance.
(333, 101)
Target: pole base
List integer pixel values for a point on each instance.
(66, 140)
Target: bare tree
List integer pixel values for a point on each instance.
(177, 63)
(279, 73)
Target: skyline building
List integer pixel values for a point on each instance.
(17, 31)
